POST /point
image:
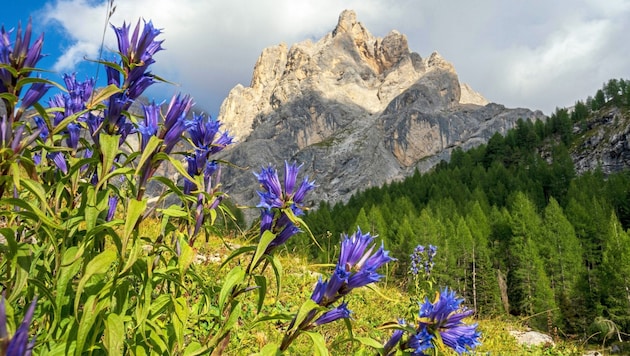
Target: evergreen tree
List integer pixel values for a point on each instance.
(562, 254)
(484, 285)
(615, 275)
(529, 288)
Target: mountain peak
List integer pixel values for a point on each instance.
(347, 20)
(356, 109)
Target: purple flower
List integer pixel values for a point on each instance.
(141, 47)
(34, 93)
(444, 317)
(341, 312)
(137, 53)
(394, 340)
(148, 126)
(19, 344)
(419, 342)
(18, 55)
(174, 121)
(356, 266)
(60, 161)
(422, 256)
(112, 203)
(274, 197)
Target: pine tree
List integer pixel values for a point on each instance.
(529, 288)
(562, 252)
(615, 275)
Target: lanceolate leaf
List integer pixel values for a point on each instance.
(264, 242)
(114, 337)
(232, 279)
(319, 343)
(98, 265)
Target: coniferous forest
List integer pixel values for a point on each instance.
(518, 232)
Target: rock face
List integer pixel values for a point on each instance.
(356, 110)
(604, 144)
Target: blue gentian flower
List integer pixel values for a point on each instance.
(19, 55)
(355, 268)
(18, 345)
(340, 312)
(444, 316)
(34, 93)
(60, 161)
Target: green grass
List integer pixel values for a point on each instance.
(371, 308)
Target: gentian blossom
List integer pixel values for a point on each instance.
(277, 203)
(422, 258)
(19, 55)
(440, 322)
(445, 316)
(340, 312)
(356, 267)
(18, 345)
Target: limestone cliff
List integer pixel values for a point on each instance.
(356, 110)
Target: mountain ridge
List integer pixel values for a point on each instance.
(355, 110)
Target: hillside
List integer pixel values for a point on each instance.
(523, 227)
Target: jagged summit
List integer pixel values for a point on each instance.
(356, 109)
(349, 65)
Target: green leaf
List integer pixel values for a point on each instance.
(319, 344)
(277, 270)
(264, 242)
(368, 341)
(237, 252)
(23, 262)
(176, 163)
(91, 310)
(98, 265)
(261, 281)
(305, 309)
(109, 149)
(270, 350)
(136, 249)
(114, 337)
(180, 320)
(233, 278)
(134, 211)
(160, 304)
(186, 256)
(152, 145)
(38, 190)
(30, 212)
(70, 266)
(102, 95)
(174, 210)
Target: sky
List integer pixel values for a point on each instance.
(537, 54)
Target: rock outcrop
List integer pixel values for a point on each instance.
(604, 143)
(356, 110)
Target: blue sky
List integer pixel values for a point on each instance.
(537, 54)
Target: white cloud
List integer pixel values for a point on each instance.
(537, 54)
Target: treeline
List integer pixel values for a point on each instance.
(517, 230)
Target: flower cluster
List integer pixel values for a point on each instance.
(422, 259)
(440, 323)
(207, 141)
(356, 267)
(15, 60)
(18, 345)
(279, 208)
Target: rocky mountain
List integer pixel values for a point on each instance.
(604, 142)
(356, 110)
